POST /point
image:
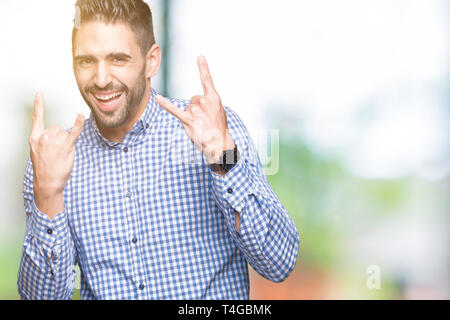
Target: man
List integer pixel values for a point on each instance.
(124, 194)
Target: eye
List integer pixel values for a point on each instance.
(85, 62)
(118, 60)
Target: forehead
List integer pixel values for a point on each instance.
(100, 39)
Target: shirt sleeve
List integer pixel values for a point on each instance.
(268, 236)
(46, 269)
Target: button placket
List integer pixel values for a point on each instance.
(132, 218)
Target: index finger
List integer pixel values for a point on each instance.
(76, 130)
(38, 114)
(169, 107)
(205, 75)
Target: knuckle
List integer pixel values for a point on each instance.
(44, 138)
(216, 97)
(32, 139)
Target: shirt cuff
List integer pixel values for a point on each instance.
(233, 190)
(46, 230)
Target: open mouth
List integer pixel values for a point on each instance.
(109, 101)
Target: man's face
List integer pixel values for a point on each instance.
(110, 72)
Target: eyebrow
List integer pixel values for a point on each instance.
(83, 57)
(118, 55)
(114, 55)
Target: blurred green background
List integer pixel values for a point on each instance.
(348, 103)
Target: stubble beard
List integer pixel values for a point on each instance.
(120, 117)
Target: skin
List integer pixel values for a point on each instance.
(107, 59)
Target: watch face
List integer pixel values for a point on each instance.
(229, 159)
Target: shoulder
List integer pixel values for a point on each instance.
(238, 129)
(234, 121)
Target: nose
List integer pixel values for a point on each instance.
(102, 76)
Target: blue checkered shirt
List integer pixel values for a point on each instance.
(148, 219)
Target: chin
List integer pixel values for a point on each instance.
(111, 120)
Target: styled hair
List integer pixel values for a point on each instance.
(135, 13)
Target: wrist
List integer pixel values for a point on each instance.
(47, 188)
(214, 153)
(49, 202)
(229, 143)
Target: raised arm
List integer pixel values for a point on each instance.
(48, 258)
(259, 223)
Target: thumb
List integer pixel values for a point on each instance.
(76, 130)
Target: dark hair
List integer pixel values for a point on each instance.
(135, 13)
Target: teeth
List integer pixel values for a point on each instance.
(106, 98)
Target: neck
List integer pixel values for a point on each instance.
(118, 134)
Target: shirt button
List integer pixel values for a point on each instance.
(134, 240)
(147, 126)
(125, 149)
(129, 194)
(141, 286)
(230, 191)
(49, 231)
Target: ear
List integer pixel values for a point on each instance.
(153, 61)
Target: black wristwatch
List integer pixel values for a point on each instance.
(227, 162)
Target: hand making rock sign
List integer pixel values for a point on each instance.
(52, 153)
(205, 119)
